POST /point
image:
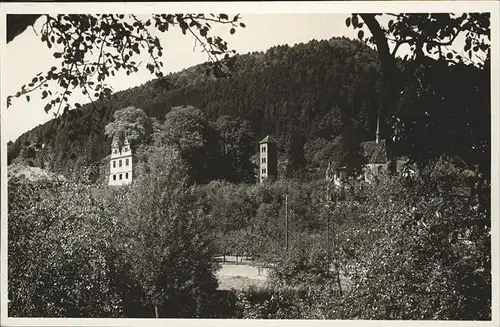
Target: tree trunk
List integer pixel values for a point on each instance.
(391, 75)
(386, 58)
(157, 315)
(338, 279)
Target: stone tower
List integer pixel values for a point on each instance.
(268, 162)
(120, 164)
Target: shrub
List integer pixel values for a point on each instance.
(165, 241)
(60, 258)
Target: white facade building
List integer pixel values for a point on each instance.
(120, 164)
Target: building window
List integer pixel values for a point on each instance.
(263, 149)
(126, 175)
(120, 163)
(125, 148)
(114, 177)
(263, 170)
(120, 176)
(114, 163)
(126, 162)
(264, 160)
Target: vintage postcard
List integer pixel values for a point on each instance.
(255, 163)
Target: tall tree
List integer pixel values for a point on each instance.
(236, 147)
(61, 250)
(166, 241)
(187, 130)
(351, 155)
(432, 40)
(130, 123)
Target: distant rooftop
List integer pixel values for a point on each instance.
(115, 141)
(267, 139)
(375, 152)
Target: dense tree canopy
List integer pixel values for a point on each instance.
(165, 240)
(236, 147)
(129, 123)
(418, 84)
(61, 250)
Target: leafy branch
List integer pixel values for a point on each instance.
(118, 39)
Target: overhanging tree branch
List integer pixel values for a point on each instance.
(379, 36)
(74, 38)
(17, 24)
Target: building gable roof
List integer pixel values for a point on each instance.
(375, 153)
(267, 139)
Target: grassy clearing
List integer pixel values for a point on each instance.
(241, 276)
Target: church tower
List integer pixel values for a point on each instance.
(268, 163)
(120, 164)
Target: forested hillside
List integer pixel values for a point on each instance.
(304, 89)
(318, 99)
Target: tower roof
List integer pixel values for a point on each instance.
(267, 139)
(115, 142)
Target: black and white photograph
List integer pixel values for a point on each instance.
(222, 163)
